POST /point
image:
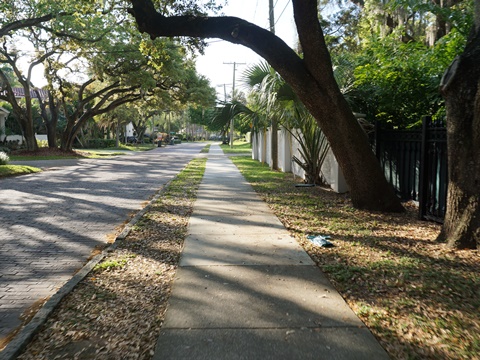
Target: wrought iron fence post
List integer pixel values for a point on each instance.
(423, 185)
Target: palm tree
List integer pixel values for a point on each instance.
(278, 102)
(314, 146)
(264, 83)
(229, 110)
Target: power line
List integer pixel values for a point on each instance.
(288, 2)
(255, 12)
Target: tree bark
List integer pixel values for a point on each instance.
(311, 78)
(461, 90)
(23, 115)
(69, 134)
(50, 118)
(117, 133)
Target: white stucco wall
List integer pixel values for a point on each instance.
(3, 116)
(288, 147)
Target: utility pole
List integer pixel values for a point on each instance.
(224, 91)
(233, 94)
(271, 16)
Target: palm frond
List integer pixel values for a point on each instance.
(255, 74)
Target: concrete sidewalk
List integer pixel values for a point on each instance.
(245, 289)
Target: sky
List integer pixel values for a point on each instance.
(215, 63)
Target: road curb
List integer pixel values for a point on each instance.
(25, 335)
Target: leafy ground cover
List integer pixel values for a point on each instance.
(116, 312)
(419, 298)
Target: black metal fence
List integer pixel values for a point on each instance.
(415, 163)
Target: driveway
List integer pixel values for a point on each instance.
(51, 222)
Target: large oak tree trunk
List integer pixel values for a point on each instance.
(27, 129)
(311, 78)
(50, 118)
(461, 89)
(69, 134)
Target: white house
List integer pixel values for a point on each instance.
(3, 117)
(20, 93)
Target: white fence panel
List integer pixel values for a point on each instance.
(288, 147)
(284, 151)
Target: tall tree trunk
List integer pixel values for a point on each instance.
(50, 118)
(30, 139)
(461, 89)
(311, 78)
(52, 135)
(117, 133)
(69, 134)
(27, 130)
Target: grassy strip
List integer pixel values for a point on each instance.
(117, 311)
(42, 157)
(57, 154)
(238, 147)
(420, 299)
(206, 149)
(136, 147)
(15, 170)
(111, 151)
(98, 154)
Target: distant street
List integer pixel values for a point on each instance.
(52, 221)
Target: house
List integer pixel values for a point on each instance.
(3, 117)
(19, 93)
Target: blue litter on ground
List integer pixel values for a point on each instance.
(320, 240)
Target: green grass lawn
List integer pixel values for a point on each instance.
(238, 147)
(44, 154)
(206, 149)
(15, 170)
(42, 157)
(136, 147)
(56, 154)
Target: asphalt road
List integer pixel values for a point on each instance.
(50, 222)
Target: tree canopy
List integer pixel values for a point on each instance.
(94, 61)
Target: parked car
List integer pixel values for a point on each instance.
(131, 140)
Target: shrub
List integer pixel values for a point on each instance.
(42, 143)
(5, 149)
(100, 143)
(4, 159)
(14, 144)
